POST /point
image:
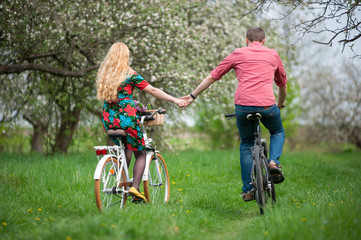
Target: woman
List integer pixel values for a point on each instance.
(116, 82)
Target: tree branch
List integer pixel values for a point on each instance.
(19, 68)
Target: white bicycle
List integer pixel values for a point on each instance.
(112, 181)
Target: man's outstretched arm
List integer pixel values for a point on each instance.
(208, 81)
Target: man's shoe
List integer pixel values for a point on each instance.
(249, 196)
(136, 193)
(276, 172)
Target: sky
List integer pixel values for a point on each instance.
(312, 54)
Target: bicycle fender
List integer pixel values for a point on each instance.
(147, 164)
(100, 165)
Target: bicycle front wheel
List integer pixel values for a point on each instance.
(107, 191)
(260, 197)
(157, 188)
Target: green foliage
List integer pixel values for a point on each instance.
(14, 138)
(53, 198)
(171, 44)
(210, 121)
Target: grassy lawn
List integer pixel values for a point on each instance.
(53, 198)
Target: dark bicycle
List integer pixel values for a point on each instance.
(263, 185)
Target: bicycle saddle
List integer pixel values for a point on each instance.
(116, 133)
(254, 116)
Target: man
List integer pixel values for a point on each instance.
(256, 68)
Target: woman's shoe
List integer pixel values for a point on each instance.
(136, 193)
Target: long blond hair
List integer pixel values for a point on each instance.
(113, 71)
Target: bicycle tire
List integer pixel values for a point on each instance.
(265, 177)
(105, 193)
(273, 192)
(259, 194)
(157, 188)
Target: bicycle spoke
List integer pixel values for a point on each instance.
(158, 180)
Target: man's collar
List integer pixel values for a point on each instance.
(254, 44)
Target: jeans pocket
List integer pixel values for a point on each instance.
(275, 111)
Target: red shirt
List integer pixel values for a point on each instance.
(256, 67)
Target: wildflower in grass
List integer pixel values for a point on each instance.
(188, 175)
(188, 211)
(59, 205)
(303, 219)
(313, 204)
(52, 219)
(180, 200)
(4, 224)
(40, 209)
(342, 202)
(180, 189)
(330, 204)
(173, 214)
(30, 211)
(37, 219)
(297, 203)
(68, 238)
(173, 182)
(113, 226)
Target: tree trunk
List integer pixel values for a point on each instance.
(38, 139)
(69, 122)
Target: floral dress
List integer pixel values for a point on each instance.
(121, 114)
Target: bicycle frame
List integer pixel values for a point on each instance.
(261, 181)
(118, 152)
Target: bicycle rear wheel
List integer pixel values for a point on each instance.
(107, 191)
(259, 194)
(157, 187)
(273, 192)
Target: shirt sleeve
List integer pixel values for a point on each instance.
(280, 75)
(139, 82)
(224, 67)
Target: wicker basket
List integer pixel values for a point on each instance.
(158, 119)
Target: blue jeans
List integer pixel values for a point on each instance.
(271, 119)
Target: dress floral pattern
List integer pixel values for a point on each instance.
(122, 114)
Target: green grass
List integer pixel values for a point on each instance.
(53, 198)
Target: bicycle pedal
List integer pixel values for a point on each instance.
(277, 178)
(137, 200)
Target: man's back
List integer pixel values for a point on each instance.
(256, 67)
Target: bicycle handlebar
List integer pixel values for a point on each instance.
(254, 116)
(230, 116)
(151, 116)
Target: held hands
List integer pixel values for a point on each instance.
(181, 103)
(188, 100)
